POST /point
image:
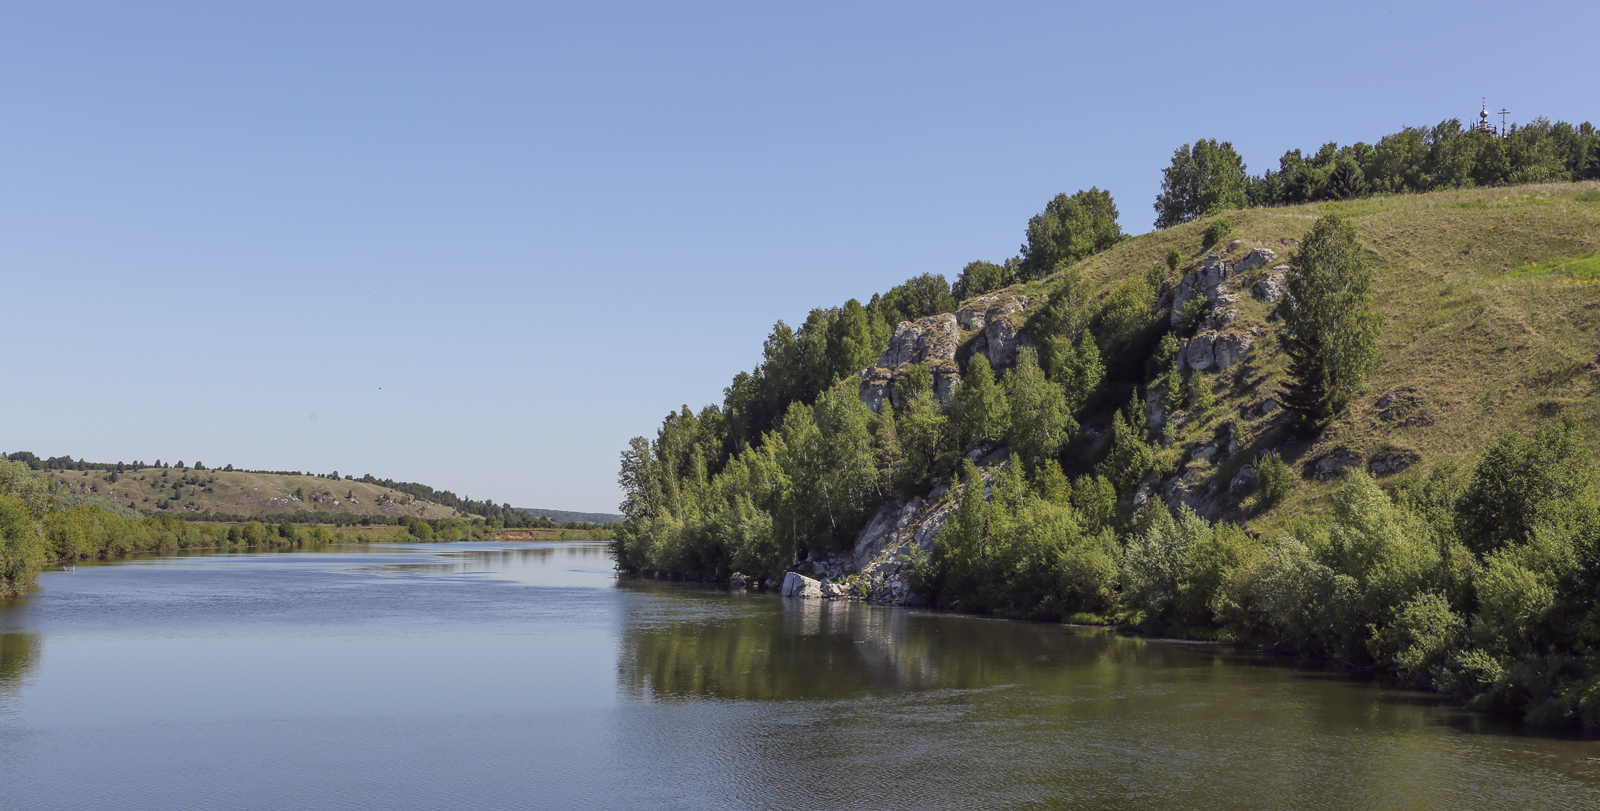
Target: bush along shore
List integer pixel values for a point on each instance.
(1362, 429)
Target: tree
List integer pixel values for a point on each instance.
(978, 408)
(1077, 367)
(850, 341)
(1501, 503)
(1040, 419)
(1207, 178)
(919, 297)
(1069, 229)
(922, 435)
(981, 277)
(1331, 334)
(1130, 456)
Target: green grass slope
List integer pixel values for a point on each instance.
(1489, 302)
(176, 491)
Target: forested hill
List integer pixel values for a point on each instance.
(564, 516)
(1349, 409)
(198, 492)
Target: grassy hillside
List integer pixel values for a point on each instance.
(1490, 308)
(176, 491)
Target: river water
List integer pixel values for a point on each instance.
(516, 676)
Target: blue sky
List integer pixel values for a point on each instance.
(479, 245)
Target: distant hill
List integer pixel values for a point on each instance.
(563, 516)
(179, 491)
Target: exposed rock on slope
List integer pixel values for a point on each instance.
(1213, 351)
(1000, 319)
(931, 341)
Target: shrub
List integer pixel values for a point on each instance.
(1273, 481)
(1216, 232)
(1192, 315)
(1422, 637)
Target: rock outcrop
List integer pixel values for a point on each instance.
(1391, 461)
(1202, 282)
(996, 317)
(1274, 286)
(976, 314)
(1334, 463)
(1155, 413)
(1259, 257)
(931, 341)
(1000, 342)
(1213, 351)
(931, 338)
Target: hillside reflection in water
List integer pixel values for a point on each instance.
(528, 676)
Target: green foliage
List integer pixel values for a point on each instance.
(1018, 554)
(1420, 159)
(1076, 367)
(1041, 419)
(1274, 481)
(1164, 359)
(1069, 229)
(1330, 332)
(1425, 633)
(979, 411)
(924, 437)
(1202, 400)
(22, 551)
(1217, 231)
(1515, 478)
(981, 277)
(919, 297)
(1154, 564)
(1123, 323)
(1192, 315)
(1205, 178)
(1131, 456)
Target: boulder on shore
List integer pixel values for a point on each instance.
(796, 584)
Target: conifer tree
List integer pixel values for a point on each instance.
(979, 411)
(1331, 334)
(1041, 421)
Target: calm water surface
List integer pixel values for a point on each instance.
(526, 676)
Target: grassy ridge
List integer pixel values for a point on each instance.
(237, 493)
(1490, 321)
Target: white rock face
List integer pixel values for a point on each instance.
(1274, 286)
(1002, 339)
(977, 313)
(931, 341)
(1260, 257)
(1243, 480)
(798, 585)
(1155, 415)
(927, 339)
(877, 385)
(1203, 282)
(1214, 351)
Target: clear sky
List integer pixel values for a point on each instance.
(479, 245)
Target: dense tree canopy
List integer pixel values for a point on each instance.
(1069, 229)
(1331, 332)
(1205, 178)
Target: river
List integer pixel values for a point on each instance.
(515, 676)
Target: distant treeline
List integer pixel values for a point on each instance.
(567, 516)
(503, 514)
(39, 527)
(1208, 176)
